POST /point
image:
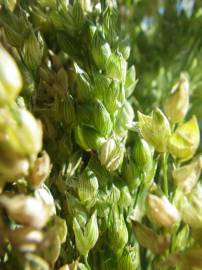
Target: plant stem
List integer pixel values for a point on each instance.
(165, 178)
(86, 262)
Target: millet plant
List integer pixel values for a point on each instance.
(88, 180)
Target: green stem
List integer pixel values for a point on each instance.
(165, 178)
(86, 262)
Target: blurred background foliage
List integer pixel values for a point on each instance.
(165, 37)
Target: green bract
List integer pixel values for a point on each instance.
(185, 140)
(111, 154)
(142, 154)
(17, 126)
(68, 111)
(87, 185)
(155, 129)
(125, 117)
(190, 207)
(177, 104)
(33, 51)
(15, 27)
(118, 234)
(86, 239)
(10, 78)
(103, 88)
(85, 90)
(186, 177)
(95, 116)
(116, 67)
(26, 210)
(129, 260)
(149, 239)
(112, 97)
(131, 173)
(88, 138)
(130, 81)
(100, 50)
(160, 211)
